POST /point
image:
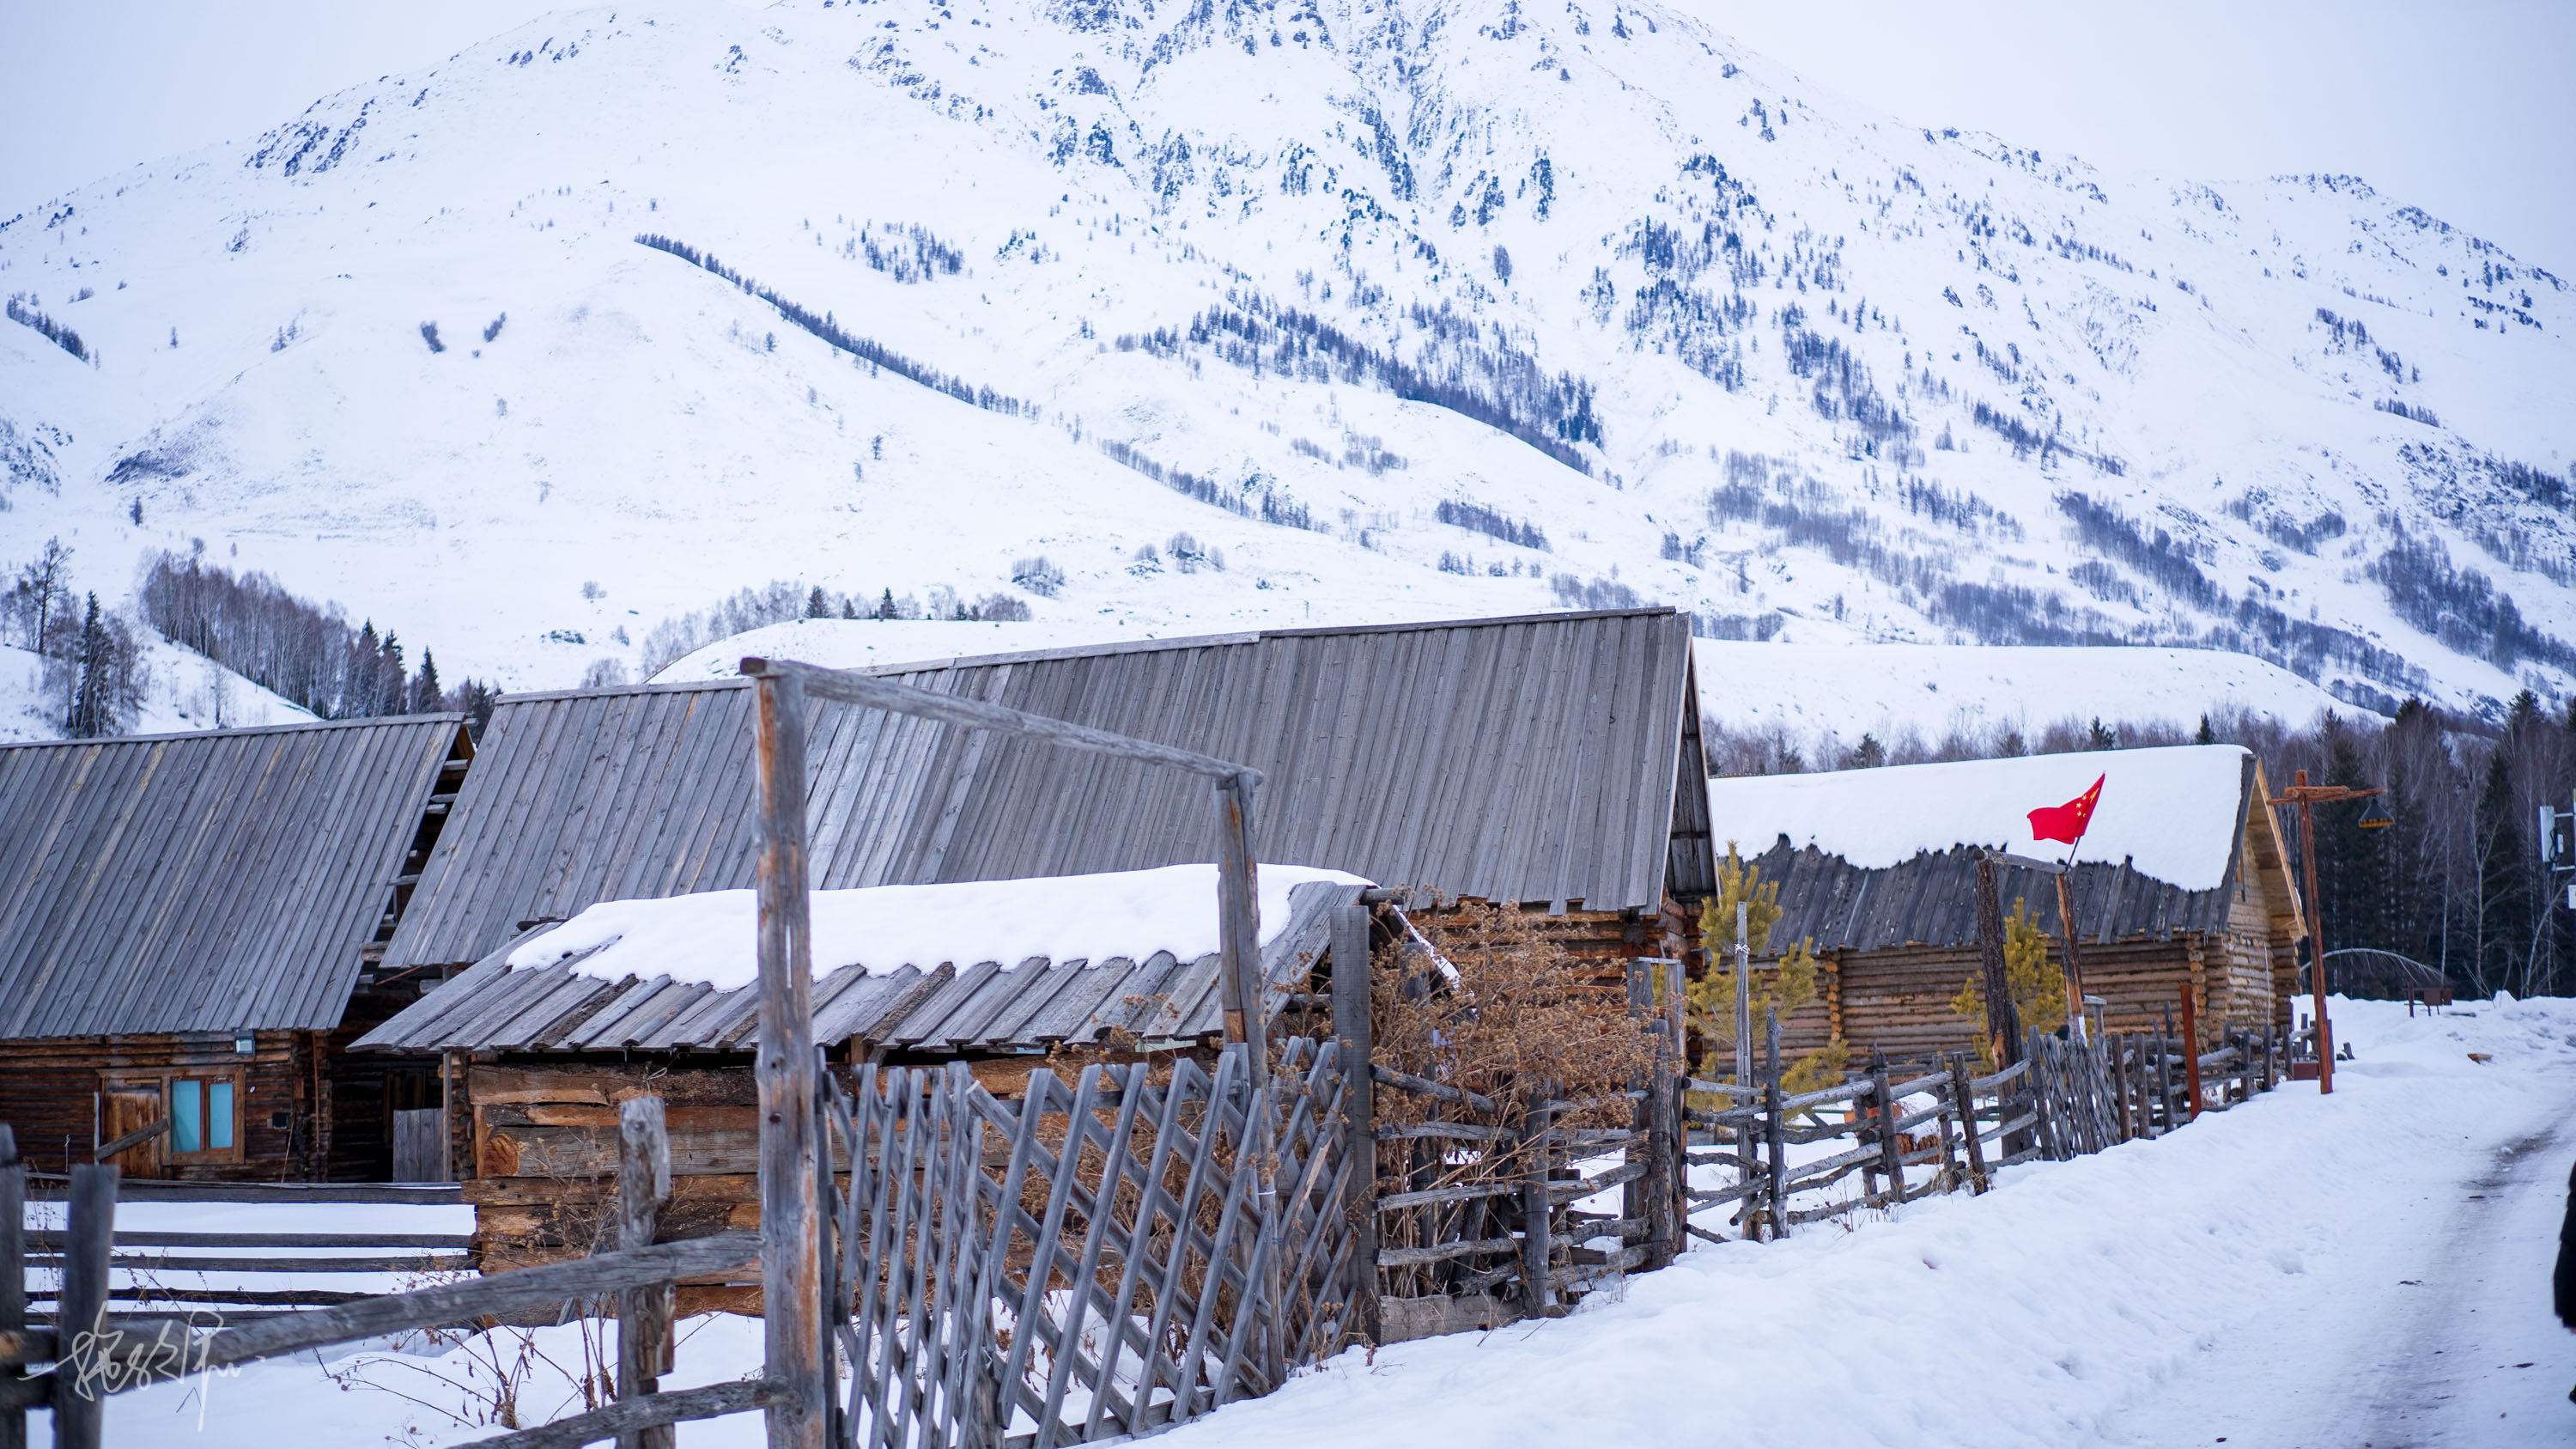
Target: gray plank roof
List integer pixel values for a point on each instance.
(1931, 899)
(947, 1006)
(1549, 758)
(203, 882)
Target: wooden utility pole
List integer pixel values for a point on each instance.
(2307, 797)
(2003, 1019)
(790, 1209)
(2074, 972)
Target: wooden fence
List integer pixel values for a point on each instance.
(1093, 1259)
(1937, 1126)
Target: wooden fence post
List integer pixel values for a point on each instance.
(1963, 1092)
(2164, 1070)
(1538, 1248)
(2191, 1051)
(1891, 1158)
(643, 1314)
(1238, 924)
(1777, 1128)
(790, 1238)
(1353, 976)
(1675, 1184)
(13, 1277)
(80, 1392)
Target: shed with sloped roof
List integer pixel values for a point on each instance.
(191, 934)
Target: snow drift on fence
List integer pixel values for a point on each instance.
(710, 937)
(2171, 811)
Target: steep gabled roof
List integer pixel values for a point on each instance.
(947, 1000)
(1867, 859)
(204, 882)
(1551, 758)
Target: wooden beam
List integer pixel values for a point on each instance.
(790, 1240)
(845, 687)
(654, 1413)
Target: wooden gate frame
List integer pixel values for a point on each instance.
(785, 1070)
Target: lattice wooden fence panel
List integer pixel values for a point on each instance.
(1095, 1259)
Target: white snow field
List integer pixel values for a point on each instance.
(2370, 1268)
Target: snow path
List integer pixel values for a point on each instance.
(2417, 1335)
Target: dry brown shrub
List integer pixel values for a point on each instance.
(1522, 1023)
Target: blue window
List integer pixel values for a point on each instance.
(201, 1114)
(187, 1117)
(219, 1116)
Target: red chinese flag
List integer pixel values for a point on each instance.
(2066, 822)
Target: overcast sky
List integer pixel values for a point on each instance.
(2466, 107)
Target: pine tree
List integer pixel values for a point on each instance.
(426, 696)
(885, 606)
(2100, 737)
(2038, 987)
(1789, 983)
(818, 605)
(1869, 754)
(393, 691)
(92, 713)
(2204, 735)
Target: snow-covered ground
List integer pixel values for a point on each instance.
(2366, 1268)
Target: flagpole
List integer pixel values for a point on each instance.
(2066, 936)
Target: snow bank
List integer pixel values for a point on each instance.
(872, 643)
(2170, 811)
(710, 937)
(1845, 689)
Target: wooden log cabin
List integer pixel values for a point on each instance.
(1549, 761)
(659, 996)
(2181, 883)
(191, 935)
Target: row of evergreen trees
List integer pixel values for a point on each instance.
(250, 624)
(2457, 881)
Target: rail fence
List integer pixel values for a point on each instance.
(1937, 1126)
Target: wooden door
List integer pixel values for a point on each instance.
(128, 1108)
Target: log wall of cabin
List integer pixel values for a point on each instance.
(50, 1096)
(1898, 1000)
(308, 1110)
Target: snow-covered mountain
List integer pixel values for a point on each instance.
(1394, 309)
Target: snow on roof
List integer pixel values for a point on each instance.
(2170, 811)
(710, 937)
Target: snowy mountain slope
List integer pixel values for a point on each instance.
(1813, 373)
(184, 690)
